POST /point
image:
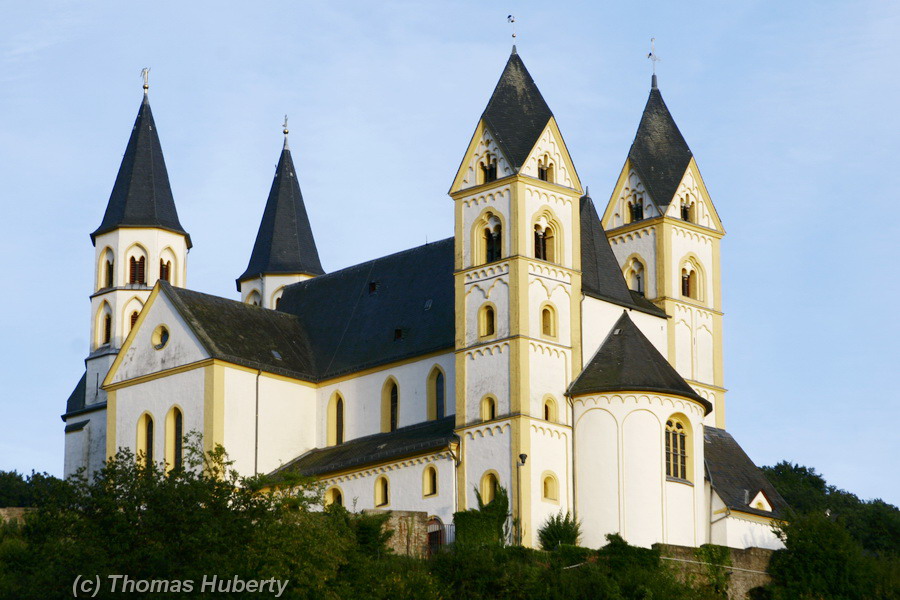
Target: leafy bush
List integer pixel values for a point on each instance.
(559, 529)
(486, 525)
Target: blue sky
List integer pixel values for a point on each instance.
(789, 108)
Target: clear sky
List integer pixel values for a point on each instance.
(789, 108)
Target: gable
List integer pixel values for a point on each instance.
(692, 190)
(139, 356)
(550, 145)
(629, 188)
(760, 502)
(483, 142)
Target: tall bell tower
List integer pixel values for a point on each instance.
(666, 234)
(518, 293)
(139, 241)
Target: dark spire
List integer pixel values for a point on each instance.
(516, 113)
(659, 152)
(285, 241)
(141, 196)
(628, 361)
(601, 275)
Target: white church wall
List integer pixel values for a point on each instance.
(541, 206)
(640, 243)
(493, 291)
(486, 448)
(598, 318)
(548, 371)
(632, 190)
(483, 365)
(269, 287)
(406, 489)
(543, 291)
(549, 455)
(740, 530)
(548, 146)
(687, 242)
(142, 358)
(620, 469)
(87, 447)
(486, 145)
(286, 422)
(156, 397)
(362, 397)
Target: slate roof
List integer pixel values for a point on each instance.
(628, 361)
(284, 243)
(659, 152)
(142, 196)
(352, 316)
(601, 276)
(734, 477)
(244, 334)
(516, 113)
(415, 439)
(76, 399)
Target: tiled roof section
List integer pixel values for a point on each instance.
(415, 439)
(601, 275)
(381, 311)
(734, 477)
(516, 113)
(628, 361)
(76, 399)
(284, 243)
(142, 196)
(246, 335)
(659, 152)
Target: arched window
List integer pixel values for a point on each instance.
(636, 209)
(165, 270)
(550, 410)
(548, 321)
(429, 481)
(689, 283)
(107, 328)
(137, 270)
(335, 420)
(491, 241)
(687, 211)
(486, 321)
(635, 276)
(488, 167)
(488, 408)
(544, 243)
(145, 438)
(134, 318)
(334, 496)
(174, 438)
(108, 270)
(382, 492)
(490, 485)
(436, 393)
(676, 449)
(545, 169)
(390, 406)
(550, 487)
(254, 298)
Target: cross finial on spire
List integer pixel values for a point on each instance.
(285, 131)
(653, 60)
(511, 19)
(145, 74)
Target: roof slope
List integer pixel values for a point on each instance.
(77, 399)
(628, 361)
(734, 476)
(352, 316)
(601, 276)
(244, 334)
(414, 439)
(142, 196)
(659, 152)
(284, 243)
(516, 113)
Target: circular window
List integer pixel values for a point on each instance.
(160, 337)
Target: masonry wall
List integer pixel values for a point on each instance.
(748, 569)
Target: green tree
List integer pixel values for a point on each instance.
(559, 529)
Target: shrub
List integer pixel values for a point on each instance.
(559, 529)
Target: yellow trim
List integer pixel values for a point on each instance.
(477, 251)
(386, 404)
(213, 406)
(330, 475)
(329, 495)
(470, 151)
(483, 334)
(755, 518)
(159, 374)
(369, 371)
(564, 152)
(110, 375)
(110, 424)
(610, 211)
(382, 498)
(331, 419)
(426, 483)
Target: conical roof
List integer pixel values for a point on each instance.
(628, 361)
(142, 196)
(659, 152)
(284, 243)
(516, 113)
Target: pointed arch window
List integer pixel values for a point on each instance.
(435, 394)
(107, 328)
(165, 270)
(395, 408)
(109, 271)
(175, 438)
(145, 438)
(635, 276)
(136, 270)
(339, 421)
(390, 406)
(676, 449)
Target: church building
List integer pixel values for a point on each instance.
(570, 355)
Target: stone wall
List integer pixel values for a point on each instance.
(410, 529)
(748, 569)
(13, 514)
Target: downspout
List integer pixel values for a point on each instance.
(457, 461)
(571, 404)
(256, 428)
